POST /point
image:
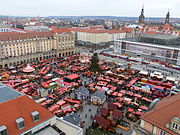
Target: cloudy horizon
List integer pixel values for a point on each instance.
(128, 8)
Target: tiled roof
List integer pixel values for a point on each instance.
(21, 107)
(104, 111)
(112, 106)
(21, 30)
(62, 30)
(56, 30)
(16, 36)
(127, 29)
(102, 121)
(117, 114)
(164, 112)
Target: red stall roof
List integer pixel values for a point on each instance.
(118, 104)
(130, 110)
(112, 106)
(72, 76)
(102, 121)
(104, 111)
(72, 101)
(117, 114)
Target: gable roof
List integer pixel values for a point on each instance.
(82, 90)
(21, 107)
(72, 76)
(99, 94)
(17, 36)
(164, 112)
(61, 30)
(102, 121)
(112, 106)
(72, 118)
(117, 114)
(95, 31)
(104, 111)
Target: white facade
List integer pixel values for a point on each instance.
(37, 28)
(40, 126)
(146, 49)
(97, 38)
(66, 127)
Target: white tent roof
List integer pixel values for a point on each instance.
(170, 79)
(143, 72)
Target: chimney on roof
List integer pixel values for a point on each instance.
(167, 125)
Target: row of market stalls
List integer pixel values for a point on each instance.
(131, 91)
(128, 92)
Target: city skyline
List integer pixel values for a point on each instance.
(129, 8)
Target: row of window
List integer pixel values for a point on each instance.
(27, 39)
(175, 126)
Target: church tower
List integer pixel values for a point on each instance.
(141, 18)
(167, 20)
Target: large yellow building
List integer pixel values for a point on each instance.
(16, 48)
(97, 38)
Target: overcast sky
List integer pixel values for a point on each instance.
(153, 8)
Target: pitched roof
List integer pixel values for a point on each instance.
(164, 112)
(83, 90)
(72, 76)
(95, 31)
(99, 94)
(117, 114)
(104, 111)
(21, 107)
(17, 36)
(72, 118)
(112, 106)
(61, 30)
(102, 121)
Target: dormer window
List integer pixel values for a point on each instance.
(20, 123)
(3, 130)
(175, 126)
(35, 116)
(162, 133)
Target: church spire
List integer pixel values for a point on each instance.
(141, 17)
(142, 11)
(167, 20)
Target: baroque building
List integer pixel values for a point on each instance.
(141, 18)
(17, 48)
(167, 20)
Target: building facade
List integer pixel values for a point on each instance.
(141, 18)
(167, 124)
(22, 116)
(162, 47)
(98, 38)
(64, 43)
(16, 48)
(37, 28)
(167, 20)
